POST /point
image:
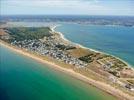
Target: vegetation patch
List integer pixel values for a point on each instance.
(28, 33)
(87, 58)
(64, 47)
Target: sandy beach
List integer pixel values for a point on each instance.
(103, 86)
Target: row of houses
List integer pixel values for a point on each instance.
(49, 48)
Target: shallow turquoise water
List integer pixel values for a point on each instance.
(22, 78)
(115, 40)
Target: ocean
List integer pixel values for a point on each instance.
(22, 78)
(114, 40)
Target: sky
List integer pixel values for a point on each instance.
(67, 7)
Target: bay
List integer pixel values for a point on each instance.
(114, 40)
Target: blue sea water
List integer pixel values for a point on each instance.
(115, 40)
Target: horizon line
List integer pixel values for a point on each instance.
(61, 15)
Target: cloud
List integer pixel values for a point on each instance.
(66, 6)
(83, 4)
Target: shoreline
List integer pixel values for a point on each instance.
(100, 85)
(81, 46)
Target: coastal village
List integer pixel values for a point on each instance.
(51, 48)
(53, 45)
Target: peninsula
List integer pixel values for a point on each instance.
(103, 71)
